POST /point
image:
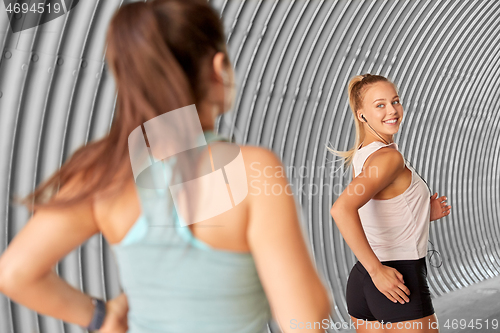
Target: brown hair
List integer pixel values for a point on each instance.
(160, 53)
(356, 92)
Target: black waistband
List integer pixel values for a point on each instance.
(420, 261)
(409, 261)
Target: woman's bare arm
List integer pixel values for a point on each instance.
(379, 171)
(26, 266)
(294, 289)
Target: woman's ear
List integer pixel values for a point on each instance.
(359, 114)
(218, 63)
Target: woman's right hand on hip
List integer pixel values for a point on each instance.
(390, 283)
(116, 319)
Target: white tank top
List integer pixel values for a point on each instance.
(396, 228)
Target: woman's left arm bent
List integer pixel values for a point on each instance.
(27, 274)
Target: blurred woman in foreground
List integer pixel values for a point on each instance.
(177, 277)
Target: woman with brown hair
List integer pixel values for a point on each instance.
(167, 55)
(384, 216)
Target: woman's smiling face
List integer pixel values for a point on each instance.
(381, 106)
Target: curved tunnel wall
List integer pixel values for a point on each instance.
(293, 61)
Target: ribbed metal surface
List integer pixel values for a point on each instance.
(293, 61)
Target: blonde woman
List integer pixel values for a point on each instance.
(226, 273)
(384, 216)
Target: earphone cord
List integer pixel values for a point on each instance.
(432, 250)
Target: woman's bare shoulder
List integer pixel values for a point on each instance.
(252, 154)
(119, 196)
(386, 158)
(387, 155)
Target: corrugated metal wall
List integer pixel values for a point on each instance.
(293, 61)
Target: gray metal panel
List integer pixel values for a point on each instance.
(293, 61)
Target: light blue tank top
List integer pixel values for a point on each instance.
(177, 283)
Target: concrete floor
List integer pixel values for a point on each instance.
(463, 310)
(479, 303)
